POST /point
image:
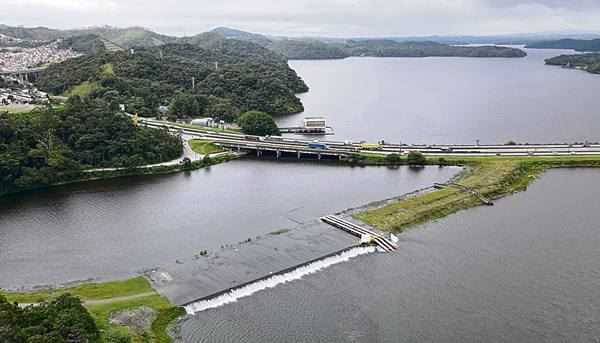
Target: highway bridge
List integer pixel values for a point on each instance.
(297, 147)
(23, 75)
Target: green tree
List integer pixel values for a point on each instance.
(185, 105)
(222, 109)
(416, 158)
(59, 321)
(258, 123)
(393, 158)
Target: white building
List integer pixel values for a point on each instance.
(315, 123)
(209, 122)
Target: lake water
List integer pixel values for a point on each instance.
(452, 100)
(525, 270)
(117, 228)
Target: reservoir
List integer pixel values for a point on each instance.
(525, 270)
(115, 229)
(451, 100)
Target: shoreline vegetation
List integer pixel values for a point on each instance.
(102, 300)
(589, 62)
(85, 176)
(491, 177)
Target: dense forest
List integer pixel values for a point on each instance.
(302, 49)
(390, 48)
(588, 62)
(86, 44)
(574, 44)
(232, 76)
(62, 320)
(48, 146)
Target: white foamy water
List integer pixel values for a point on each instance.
(276, 280)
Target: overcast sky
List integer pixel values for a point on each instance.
(313, 17)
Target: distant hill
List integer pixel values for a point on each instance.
(31, 33)
(89, 44)
(242, 35)
(390, 48)
(574, 44)
(127, 37)
(292, 48)
(308, 49)
(124, 37)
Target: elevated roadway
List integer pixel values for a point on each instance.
(339, 149)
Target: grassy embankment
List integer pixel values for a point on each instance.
(86, 88)
(493, 177)
(204, 147)
(102, 299)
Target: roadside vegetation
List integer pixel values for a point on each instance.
(258, 123)
(101, 301)
(491, 177)
(204, 147)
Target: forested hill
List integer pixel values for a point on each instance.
(390, 48)
(298, 49)
(587, 62)
(574, 44)
(49, 146)
(229, 77)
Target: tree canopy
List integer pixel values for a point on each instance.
(49, 145)
(258, 123)
(588, 62)
(416, 158)
(236, 76)
(62, 320)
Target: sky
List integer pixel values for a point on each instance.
(334, 18)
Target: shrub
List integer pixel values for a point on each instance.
(258, 123)
(416, 158)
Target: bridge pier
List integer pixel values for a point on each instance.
(299, 153)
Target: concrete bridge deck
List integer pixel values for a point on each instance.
(338, 149)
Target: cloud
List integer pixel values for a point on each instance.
(575, 5)
(63, 5)
(314, 17)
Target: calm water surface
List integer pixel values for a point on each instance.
(525, 270)
(115, 228)
(452, 100)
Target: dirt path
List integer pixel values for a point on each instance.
(118, 299)
(105, 301)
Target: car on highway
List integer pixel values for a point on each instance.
(315, 145)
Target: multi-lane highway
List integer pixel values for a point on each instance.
(280, 145)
